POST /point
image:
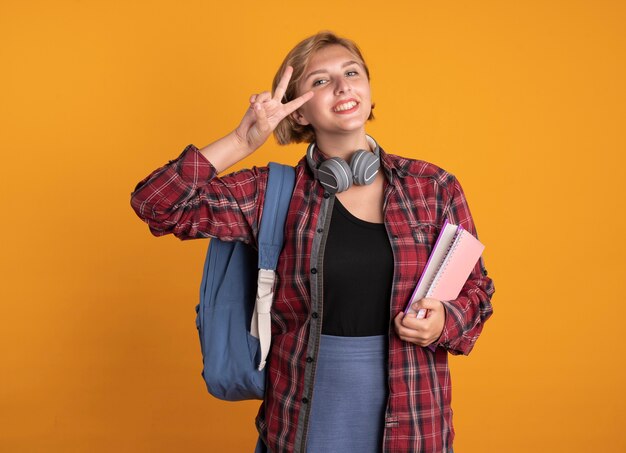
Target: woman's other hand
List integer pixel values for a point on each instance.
(266, 111)
(424, 331)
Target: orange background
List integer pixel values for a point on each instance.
(523, 101)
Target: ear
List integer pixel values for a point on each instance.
(299, 118)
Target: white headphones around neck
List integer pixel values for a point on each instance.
(335, 175)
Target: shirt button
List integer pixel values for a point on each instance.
(314, 315)
(309, 359)
(320, 230)
(305, 400)
(314, 271)
(326, 195)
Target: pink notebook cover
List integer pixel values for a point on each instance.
(450, 270)
(456, 267)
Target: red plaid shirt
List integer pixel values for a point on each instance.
(187, 199)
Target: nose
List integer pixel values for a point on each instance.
(342, 86)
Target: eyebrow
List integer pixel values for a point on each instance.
(320, 71)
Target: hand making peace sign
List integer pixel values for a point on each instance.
(266, 111)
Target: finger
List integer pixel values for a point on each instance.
(261, 118)
(397, 321)
(410, 322)
(294, 105)
(252, 99)
(283, 84)
(411, 336)
(426, 303)
(420, 313)
(263, 96)
(407, 334)
(248, 118)
(431, 303)
(404, 326)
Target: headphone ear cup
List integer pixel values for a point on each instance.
(364, 167)
(335, 175)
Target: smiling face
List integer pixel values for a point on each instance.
(342, 100)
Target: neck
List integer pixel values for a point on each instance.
(343, 146)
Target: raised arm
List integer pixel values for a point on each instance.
(186, 198)
(266, 110)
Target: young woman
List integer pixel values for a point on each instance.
(348, 372)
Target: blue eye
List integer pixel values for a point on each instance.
(319, 82)
(352, 73)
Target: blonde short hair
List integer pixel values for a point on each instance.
(288, 130)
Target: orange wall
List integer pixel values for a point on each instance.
(523, 101)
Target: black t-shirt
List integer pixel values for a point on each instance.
(358, 274)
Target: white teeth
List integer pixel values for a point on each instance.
(346, 106)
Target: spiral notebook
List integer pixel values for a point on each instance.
(450, 263)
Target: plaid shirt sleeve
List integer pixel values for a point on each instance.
(466, 315)
(186, 199)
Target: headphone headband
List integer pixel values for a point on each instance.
(336, 175)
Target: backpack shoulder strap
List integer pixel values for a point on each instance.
(280, 185)
(277, 197)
